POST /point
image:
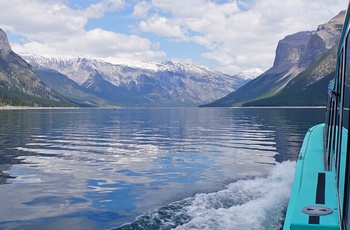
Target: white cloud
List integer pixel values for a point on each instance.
(96, 43)
(39, 21)
(162, 26)
(238, 34)
(99, 9)
(53, 28)
(141, 9)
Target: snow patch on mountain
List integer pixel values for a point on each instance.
(250, 73)
(131, 63)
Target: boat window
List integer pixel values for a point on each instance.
(346, 103)
(330, 133)
(328, 127)
(336, 135)
(346, 94)
(333, 119)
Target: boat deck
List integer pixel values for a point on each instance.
(313, 200)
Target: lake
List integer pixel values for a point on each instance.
(149, 168)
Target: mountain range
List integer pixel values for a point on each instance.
(303, 66)
(92, 82)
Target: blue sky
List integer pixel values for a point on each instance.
(228, 35)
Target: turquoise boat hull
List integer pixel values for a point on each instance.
(313, 188)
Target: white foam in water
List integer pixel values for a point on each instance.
(258, 203)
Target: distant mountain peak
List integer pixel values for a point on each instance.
(336, 21)
(330, 31)
(250, 73)
(131, 63)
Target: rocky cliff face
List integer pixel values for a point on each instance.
(5, 48)
(19, 85)
(294, 54)
(290, 51)
(302, 48)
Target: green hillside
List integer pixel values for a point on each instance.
(19, 86)
(260, 87)
(72, 92)
(309, 88)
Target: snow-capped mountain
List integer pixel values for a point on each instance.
(250, 73)
(155, 83)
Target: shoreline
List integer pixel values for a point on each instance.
(116, 107)
(6, 107)
(281, 107)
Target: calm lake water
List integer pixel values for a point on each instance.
(183, 168)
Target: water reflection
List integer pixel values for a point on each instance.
(103, 167)
(289, 126)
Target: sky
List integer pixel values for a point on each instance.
(228, 35)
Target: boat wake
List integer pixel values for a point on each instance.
(258, 203)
